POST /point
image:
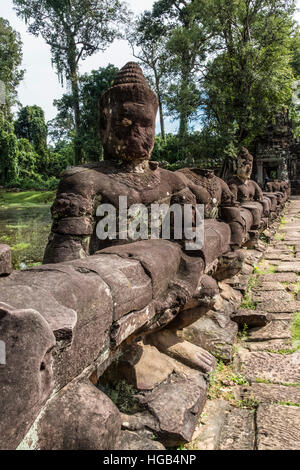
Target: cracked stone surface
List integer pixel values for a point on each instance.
(277, 329)
(277, 368)
(278, 427)
(238, 432)
(274, 306)
(279, 277)
(275, 296)
(261, 414)
(271, 393)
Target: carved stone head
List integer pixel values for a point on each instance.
(244, 164)
(128, 111)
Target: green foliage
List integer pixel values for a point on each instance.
(251, 78)
(295, 330)
(122, 394)
(193, 150)
(187, 41)
(62, 128)
(26, 198)
(10, 60)
(286, 403)
(74, 30)
(30, 124)
(8, 152)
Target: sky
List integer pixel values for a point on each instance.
(40, 85)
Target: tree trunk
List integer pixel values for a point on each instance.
(161, 115)
(183, 117)
(161, 118)
(76, 108)
(79, 158)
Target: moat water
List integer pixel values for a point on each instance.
(26, 231)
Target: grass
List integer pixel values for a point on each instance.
(221, 382)
(247, 301)
(244, 333)
(295, 330)
(279, 236)
(271, 269)
(26, 198)
(122, 394)
(266, 381)
(286, 403)
(283, 221)
(20, 246)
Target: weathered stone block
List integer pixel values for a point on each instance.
(251, 318)
(5, 260)
(26, 373)
(278, 427)
(79, 417)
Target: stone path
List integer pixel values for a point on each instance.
(255, 401)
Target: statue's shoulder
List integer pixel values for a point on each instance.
(102, 167)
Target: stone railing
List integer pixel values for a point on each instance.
(127, 312)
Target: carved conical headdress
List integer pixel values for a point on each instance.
(131, 83)
(129, 74)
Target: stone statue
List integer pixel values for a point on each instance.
(247, 192)
(218, 191)
(243, 188)
(128, 112)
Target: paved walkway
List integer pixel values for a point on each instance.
(256, 400)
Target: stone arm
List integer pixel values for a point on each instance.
(234, 191)
(228, 198)
(258, 196)
(72, 227)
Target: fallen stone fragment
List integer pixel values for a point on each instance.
(183, 351)
(5, 260)
(247, 269)
(251, 318)
(130, 440)
(144, 366)
(276, 368)
(239, 282)
(79, 417)
(207, 436)
(214, 332)
(177, 405)
(278, 427)
(139, 421)
(277, 329)
(238, 432)
(270, 393)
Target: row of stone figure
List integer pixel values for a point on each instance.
(235, 213)
(63, 324)
(127, 126)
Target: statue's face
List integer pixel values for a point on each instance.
(244, 168)
(127, 130)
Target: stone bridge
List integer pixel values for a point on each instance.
(114, 346)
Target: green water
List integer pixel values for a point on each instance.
(25, 224)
